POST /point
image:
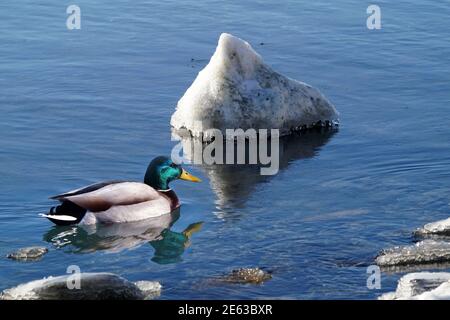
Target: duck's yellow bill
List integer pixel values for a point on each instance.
(189, 177)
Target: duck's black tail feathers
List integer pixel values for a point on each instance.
(65, 214)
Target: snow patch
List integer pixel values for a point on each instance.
(421, 286)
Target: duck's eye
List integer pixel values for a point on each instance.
(173, 165)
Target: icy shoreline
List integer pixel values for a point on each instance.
(428, 253)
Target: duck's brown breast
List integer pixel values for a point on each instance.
(172, 197)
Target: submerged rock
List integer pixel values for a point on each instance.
(28, 254)
(421, 286)
(238, 90)
(424, 252)
(93, 286)
(441, 227)
(150, 289)
(246, 275)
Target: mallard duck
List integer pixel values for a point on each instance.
(122, 201)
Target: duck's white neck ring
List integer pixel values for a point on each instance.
(167, 190)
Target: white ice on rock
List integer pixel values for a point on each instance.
(421, 286)
(93, 286)
(150, 289)
(441, 227)
(427, 251)
(238, 90)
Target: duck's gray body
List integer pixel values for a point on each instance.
(112, 202)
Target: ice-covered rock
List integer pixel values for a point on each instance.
(93, 286)
(28, 254)
(423, 252)
(421, 286)
(238, 90)
(441, 227)
(150, 289)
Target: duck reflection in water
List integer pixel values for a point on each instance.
(168, 245)
(171, 245)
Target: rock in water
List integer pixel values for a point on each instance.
(246, 275)
(150, 289)
(441, 227)
(28, 254)
(424, 252)
(93, 286)
(238, 90)
(421, 286)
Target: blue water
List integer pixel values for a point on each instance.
(94, 104)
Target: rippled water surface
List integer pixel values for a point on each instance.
(94, 104)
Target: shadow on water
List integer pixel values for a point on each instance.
(430, 267)
(233, 184)
(168, 245)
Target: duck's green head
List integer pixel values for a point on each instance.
(162, 170)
